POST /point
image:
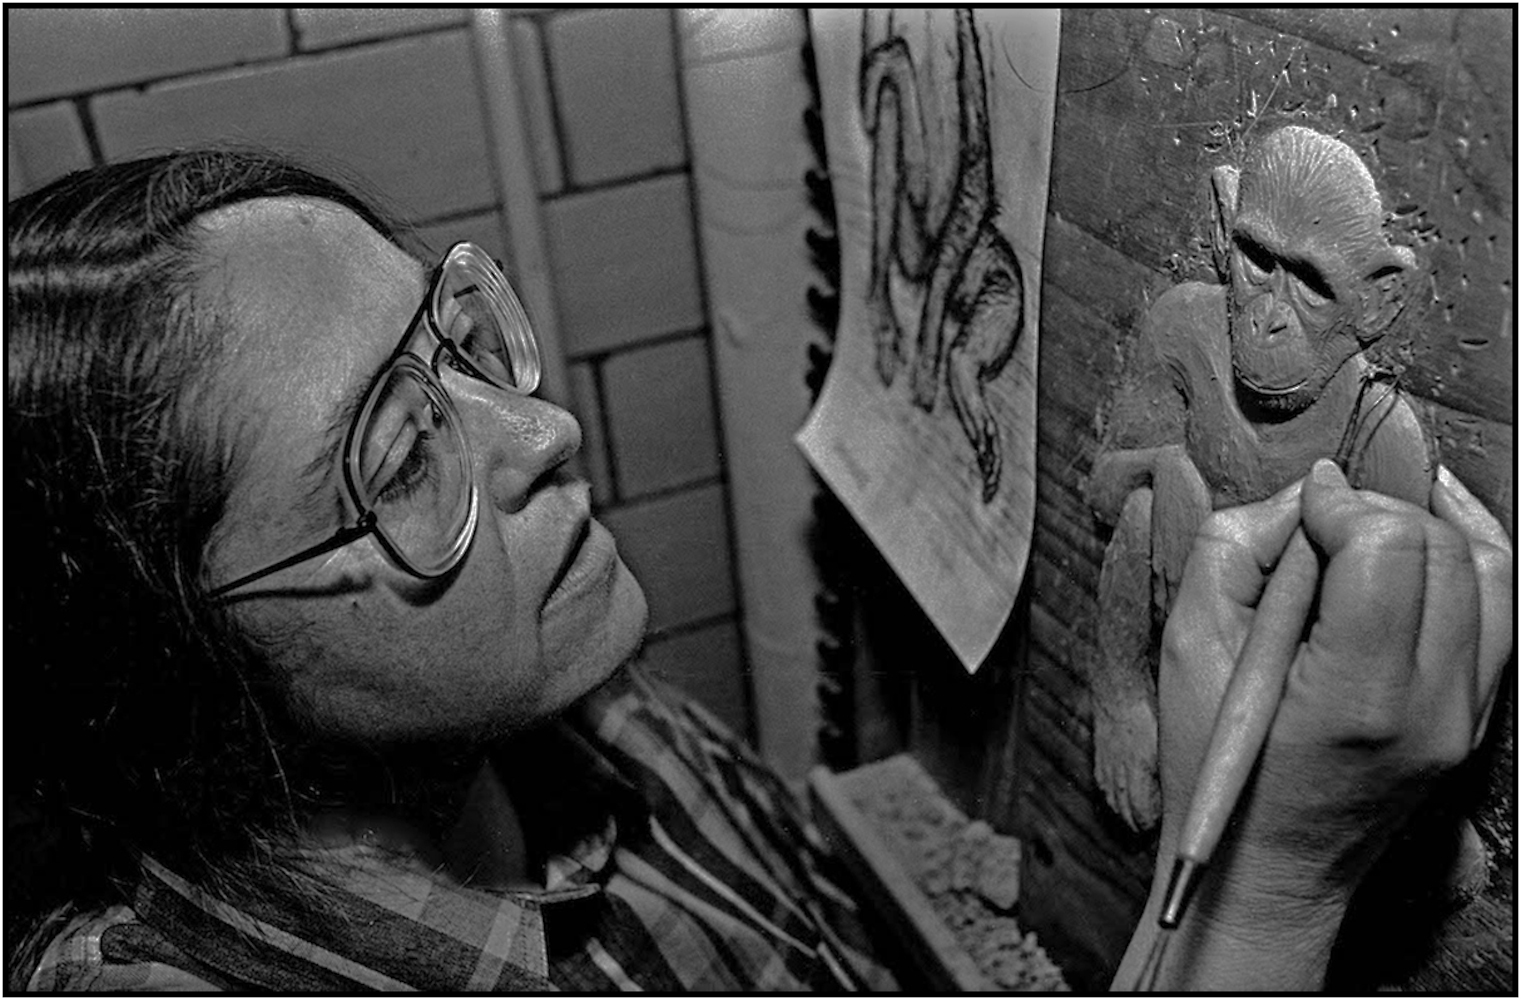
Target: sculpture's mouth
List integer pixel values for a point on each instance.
(1273, 391)
(1268, 403)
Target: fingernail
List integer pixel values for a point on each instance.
(1447, 479)
(1325, 471)
(1289, 494)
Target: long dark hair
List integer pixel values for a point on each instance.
(139, 720)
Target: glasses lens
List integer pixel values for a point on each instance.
(411, 465)
(477, 310)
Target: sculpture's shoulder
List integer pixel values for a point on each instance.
(1173, 344)
(1185, 319)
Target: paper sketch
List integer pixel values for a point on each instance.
(963, 267)
(938, 130)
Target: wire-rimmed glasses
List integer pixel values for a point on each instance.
(406, 458)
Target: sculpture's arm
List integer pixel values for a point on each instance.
(1117, 474)
(1145, 418)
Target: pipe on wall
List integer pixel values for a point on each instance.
(745, 94)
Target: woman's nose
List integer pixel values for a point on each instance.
(514, 439)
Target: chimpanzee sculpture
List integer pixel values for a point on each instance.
(1232, 392)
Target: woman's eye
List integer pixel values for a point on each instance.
(483, 346)
(413, 472)
(473, 335)
(487, 356)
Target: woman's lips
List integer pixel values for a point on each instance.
(576, 539)
(589, 561)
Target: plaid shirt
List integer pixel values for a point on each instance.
(672, 859)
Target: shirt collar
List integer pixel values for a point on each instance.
(572, 802)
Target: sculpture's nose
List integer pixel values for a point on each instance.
(1271, 319)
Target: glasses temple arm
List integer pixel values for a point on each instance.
(340, 538)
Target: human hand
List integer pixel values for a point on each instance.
(1391, 687)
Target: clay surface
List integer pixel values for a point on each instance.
(1231, 392)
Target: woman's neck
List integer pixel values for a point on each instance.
(477, 838)
(486, 847)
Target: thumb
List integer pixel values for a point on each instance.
(1332, 509)
(1327, 505)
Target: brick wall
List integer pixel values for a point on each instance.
(397, 97)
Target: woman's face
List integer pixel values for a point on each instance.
(542, 608)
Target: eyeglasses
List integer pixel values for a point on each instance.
(406, 459)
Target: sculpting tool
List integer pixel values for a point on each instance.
(1241, 728)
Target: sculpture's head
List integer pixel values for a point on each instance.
(1312, 276)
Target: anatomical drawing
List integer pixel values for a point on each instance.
(1233, 390)
(964, 269)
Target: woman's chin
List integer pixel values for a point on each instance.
(582, 650)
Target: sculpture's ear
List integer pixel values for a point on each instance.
(1387, 272)
(1226, 182)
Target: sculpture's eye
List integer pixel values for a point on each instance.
(1256, 262)
(1309, 284)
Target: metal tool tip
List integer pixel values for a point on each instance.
(1180, 889)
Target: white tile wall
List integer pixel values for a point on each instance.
(701, 663)
(625, 264)
(678, 547)
(45, 143)
(587, 406)
(317, 27)
(418, 136)
(70, 50)
(614, 76)
(660, 415)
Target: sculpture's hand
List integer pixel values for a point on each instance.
(1117, 474)
(1392, 686)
